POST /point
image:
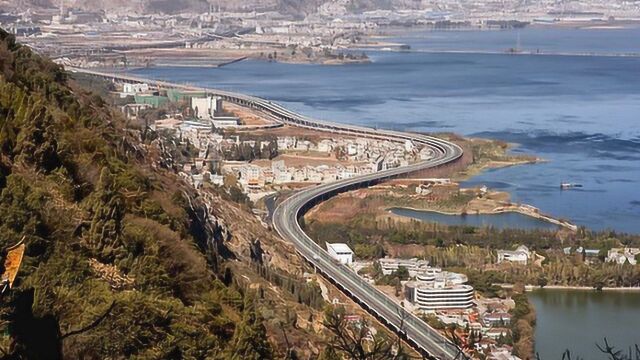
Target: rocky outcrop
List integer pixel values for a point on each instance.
(110, 273)
(209, 231)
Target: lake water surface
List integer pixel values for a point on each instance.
(581, 113)
(508, 220)
(577, 320)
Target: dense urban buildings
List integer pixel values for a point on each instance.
(149, 34)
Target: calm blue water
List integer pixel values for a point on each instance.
(543, 39)
(580, 113)
(508, 220)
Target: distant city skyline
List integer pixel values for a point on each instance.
(617, 8)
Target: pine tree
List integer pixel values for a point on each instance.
(250, 339)
(329, 353)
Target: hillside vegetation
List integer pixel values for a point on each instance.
(122, 259)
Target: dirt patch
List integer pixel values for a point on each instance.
(247, 116)
(301, 161)
(487, 204)
(404, 250)
(311, 135)
(343, 208)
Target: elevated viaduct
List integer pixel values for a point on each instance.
(286, 218)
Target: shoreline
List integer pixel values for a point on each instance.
(470, 172)
(203, 63)
(517, 210)
(387, 41)
(524, 53)
(523, 209)
(530, 288)
(396, 48)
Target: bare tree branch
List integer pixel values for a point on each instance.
(95, 323)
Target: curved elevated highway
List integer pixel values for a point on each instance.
(286, 220)
(287, 216)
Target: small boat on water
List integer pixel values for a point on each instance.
(567, 186)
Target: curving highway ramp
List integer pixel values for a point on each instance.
(286, 221)
(286, 217)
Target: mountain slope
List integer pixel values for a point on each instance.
(124, 260)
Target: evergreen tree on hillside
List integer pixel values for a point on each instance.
(250, 339)
(329, 353)
(107, 218)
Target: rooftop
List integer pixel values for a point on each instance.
(339, 247)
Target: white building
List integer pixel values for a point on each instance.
(341, 252)
(520, 256)
(280, 172)
(251, 176)
(352, 149)
(302, 145)
(329, 174)
(314, 175)
(281, 176)
(206, 107)
(286, 142)
(325, 145)
(414, 266)
(217, 179)
(431, 274)
(408, 146)
(502, 354)
(346, 173)
(131, 111)
(622, 255)
(299, 175)
(132, 89)
(439, 290)
(439, 296)
(426, 153)
(221, 122)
